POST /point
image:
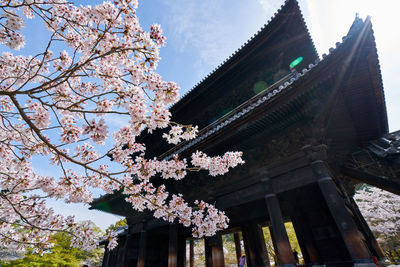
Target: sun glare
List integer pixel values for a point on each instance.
(332, 19)
(329, 21)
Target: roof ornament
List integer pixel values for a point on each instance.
(357, 23)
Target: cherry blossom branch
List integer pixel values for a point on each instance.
(110, 71)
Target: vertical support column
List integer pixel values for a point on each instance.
(114, 256)
(181, 251)
(120, 253)
(238, 248)
(367, 231)
(214, 251)
(126, 247)
(207, 252)
(285, 253)
(173, 245)
(217, 251)
(141, 261)
(275, 247)
(300, 240)
(191, 253)
(106, 257)
(304, 235)
(255, 245)
(347, 227)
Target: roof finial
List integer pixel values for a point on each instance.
(357, 23)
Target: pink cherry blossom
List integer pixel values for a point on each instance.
(97, 131)
(61, 107)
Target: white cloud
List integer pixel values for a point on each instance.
(214, 28)
(270, 5)
(197, 24)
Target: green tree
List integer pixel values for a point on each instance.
(61, 255)
(115, 226)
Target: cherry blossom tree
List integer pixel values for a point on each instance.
(381, 210)
(57, 105)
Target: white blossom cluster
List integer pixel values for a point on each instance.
(381, 210)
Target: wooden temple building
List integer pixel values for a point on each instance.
(305, 133)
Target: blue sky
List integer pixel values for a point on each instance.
(201, 34)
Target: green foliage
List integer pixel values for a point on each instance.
(61, 255)
(229, 250)
(294, 244)
(119, 223)
(391, 248)
(199, 253)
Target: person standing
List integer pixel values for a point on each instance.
(296, 256)
(242, 261)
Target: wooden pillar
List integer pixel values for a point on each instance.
(181, 251)
(308, 247)
(113, 256)
(106, 257)
(254, 242)
(375, 247)
(217, 251)
(346, 225)
(214, 251)
(173, 245)
(126, 247)
(207, 252)
(120, 253)
(191, 253)
(302, 246)
(141, 261)
(275, 247)
(238, 248)
(285, 253)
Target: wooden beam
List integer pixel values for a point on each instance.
(284, 180)
(238, 248)
(285, 253)
(374, 180)
(141, 261)
(173, 245)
